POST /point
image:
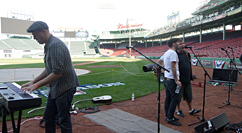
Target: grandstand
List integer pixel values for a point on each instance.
(206, 30)
(17, 43)
(30, 48)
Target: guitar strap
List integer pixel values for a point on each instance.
(40, 123)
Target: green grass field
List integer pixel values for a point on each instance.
(131, 73)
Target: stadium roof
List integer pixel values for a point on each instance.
(235, 19)
(216, 5)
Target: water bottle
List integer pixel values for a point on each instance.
(133, 97)
(177, 89)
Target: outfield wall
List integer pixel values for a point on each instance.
(222, 63)
(14, 54)
(21, 54)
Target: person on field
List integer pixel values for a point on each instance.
(185, 70)
(171, 80)
(59, 74)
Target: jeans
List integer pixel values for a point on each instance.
(59, 108)
(172, 98)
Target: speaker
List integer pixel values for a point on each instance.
(220, 121)
(213, 125)
(204, 128)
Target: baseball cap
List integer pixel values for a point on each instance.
(37, 26)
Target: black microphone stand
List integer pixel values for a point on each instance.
(230, 77)
(159, 70)
(204, 86)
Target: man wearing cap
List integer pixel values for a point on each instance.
(59, 74)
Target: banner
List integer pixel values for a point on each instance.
(44, 91)
(121, 26)
(196, 23)
(219, 64)
(234, 11)
(82, 34)
(220, 16)
(92, 86)
(207, 20)
(207, 63)
(58, 33)
(238, 65)
(194, 62)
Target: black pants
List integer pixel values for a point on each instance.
(59, 108)
(172, 98)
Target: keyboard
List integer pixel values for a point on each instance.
(14, 100)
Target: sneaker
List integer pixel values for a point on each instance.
(179, 113)
(174, 118)
(173, 122)
(194, 111)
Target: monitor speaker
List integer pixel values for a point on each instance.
(213, 125)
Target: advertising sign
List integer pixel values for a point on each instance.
(82, 34)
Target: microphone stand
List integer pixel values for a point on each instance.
(204, 86)
(159, 70)
(230, 76)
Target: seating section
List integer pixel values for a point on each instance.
(210, 47)
(4, 46)
(213, 48)
(90, 48)
(151, 51)
(75, 47)
(207, 48)
(106, 52)
(81, 48)
(33, 44)
(121, 51)
(18, 44)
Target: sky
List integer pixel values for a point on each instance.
(90, 15)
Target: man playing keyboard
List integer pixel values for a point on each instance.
(59, 74)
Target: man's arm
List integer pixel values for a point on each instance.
(50, 78)
(160, 62)
(40, 81)
(173, 69)
(40, 77)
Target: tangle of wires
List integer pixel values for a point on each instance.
(233, 127)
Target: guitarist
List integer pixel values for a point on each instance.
(185, 70)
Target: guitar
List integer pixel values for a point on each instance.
(102, 99)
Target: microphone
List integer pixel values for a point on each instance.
(230, 47)
(224, 49)
(189, 47)
(129, 47)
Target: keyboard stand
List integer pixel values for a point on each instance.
(4, 124)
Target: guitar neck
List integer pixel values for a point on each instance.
(82, 101)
